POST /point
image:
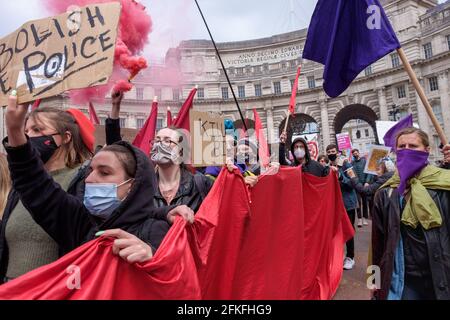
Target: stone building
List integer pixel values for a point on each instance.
(262, 72)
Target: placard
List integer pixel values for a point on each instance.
(47, 57)
(376, 153)
(208, 142)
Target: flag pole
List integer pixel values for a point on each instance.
(293, 96)
(223, 66)
(287, 121)
(422, 95)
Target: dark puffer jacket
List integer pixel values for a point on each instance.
(65, 218)
(310, 166)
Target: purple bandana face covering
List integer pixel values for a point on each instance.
(409, 163)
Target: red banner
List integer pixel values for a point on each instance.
(275, 242)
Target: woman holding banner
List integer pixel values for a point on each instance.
(116, 197)
(177, 185)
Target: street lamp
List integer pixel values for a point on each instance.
(395, 113)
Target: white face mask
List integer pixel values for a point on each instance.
(299, 153)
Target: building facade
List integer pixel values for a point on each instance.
(262, 73)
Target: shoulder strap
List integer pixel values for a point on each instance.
(200, 184)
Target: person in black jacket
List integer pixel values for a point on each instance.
(410, 244)
(63, 144)
(386, 169)
(116, 196)
(175, 183)
(300, 152)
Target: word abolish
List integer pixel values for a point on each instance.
(71, 51)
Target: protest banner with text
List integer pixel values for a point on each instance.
(47, 57)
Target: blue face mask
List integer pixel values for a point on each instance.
(101, 198)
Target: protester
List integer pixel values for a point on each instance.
(64, 142)
(385, 171)
(302, 157)
(348, 195)
(323, 160)
(117, 196)
(5, 183)
(359, 164)
(213, 172)
(410, 225)
(176, 184)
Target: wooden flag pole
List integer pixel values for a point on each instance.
(287, 121)
(422, 95)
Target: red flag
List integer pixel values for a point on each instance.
(93, 115)
(297, 256)
(292, 103)
(263, 148)
(182, 120)
(147, 133)
(169, 117)
(36, 104)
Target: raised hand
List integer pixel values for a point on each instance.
(15, 121)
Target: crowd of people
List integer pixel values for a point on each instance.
(58, 191)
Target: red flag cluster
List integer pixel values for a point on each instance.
(288, 246)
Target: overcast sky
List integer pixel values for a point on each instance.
(175, 20)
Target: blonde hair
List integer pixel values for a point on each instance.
(5, 183)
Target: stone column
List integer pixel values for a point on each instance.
(384, 115)
(325, 123)
(270, 128)
(445, 101)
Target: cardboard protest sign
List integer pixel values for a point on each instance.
(75, 50)
(208, 142)
(127, 134)
(376, 153)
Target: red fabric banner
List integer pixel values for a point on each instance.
(182, 120)
(275, 242)
(147, 133)
(36, 104)
(292, 102)
(169, 117)
(263, 147)
(93, 115)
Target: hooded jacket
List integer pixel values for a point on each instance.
(64, 216)
(310, 166)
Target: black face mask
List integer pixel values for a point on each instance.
(332, 157)
(45, 146)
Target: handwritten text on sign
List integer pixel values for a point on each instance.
(207, 139)
(46, 57)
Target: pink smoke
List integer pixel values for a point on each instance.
(135, 26)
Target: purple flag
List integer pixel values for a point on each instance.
(347, 36)
(391, 136)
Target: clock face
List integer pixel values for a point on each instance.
(199, 65)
